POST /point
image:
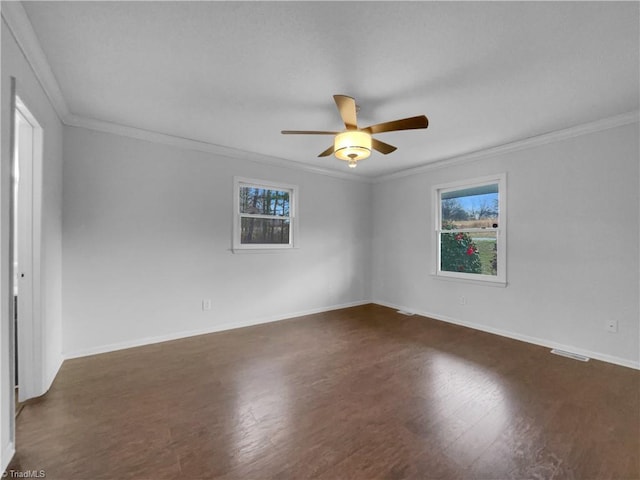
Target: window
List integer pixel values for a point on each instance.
(264, 215)
(470, 229)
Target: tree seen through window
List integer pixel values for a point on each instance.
(265, 215)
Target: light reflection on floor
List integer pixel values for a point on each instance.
(460, 393)
(262, 407)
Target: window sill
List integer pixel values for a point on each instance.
(486, 283)
(264, 250)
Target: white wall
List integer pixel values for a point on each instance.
(30, 91)
(572, 246)
(147, 237)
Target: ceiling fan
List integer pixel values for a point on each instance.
(354, 144)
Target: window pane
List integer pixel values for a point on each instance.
(263, 201)
(475, 207)
(264, 230)
(469, 252)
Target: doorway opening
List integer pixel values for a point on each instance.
(27, 163)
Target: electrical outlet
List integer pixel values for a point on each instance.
(462, 300)
(611, 326)
(206, 304)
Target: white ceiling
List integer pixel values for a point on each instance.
(236, 73)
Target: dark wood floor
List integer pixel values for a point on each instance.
(359, 393)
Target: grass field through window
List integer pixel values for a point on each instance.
(487, 252)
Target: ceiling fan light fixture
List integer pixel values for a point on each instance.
(355, 143)
(352, 146)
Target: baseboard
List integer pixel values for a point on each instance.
(516, 336)
(215, 328)
(7, 455)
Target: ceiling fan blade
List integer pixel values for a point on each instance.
(403, 124)
(307, 132)
(327, 152)
(347, 108)
(382, 147)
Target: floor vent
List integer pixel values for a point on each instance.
(404, 312)
(575, 356)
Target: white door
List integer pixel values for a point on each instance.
(26, 143)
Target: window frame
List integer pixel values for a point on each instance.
(500, 279)
(238, 246)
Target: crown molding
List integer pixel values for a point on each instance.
(18, 23)
(196, 145)
(199, 146)
(526, 143)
